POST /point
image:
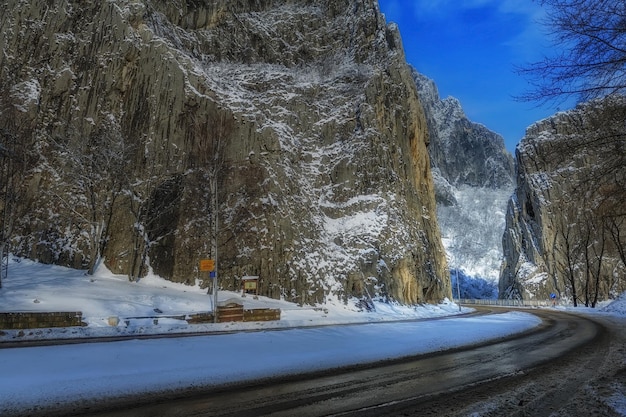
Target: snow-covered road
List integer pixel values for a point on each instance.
(35, 377)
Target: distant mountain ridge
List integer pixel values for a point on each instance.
(464, 152)
(474, 178)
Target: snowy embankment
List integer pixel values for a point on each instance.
(34, 377)
(36, 287)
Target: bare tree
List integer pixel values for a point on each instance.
(16, 157)
(592, 242)
(586, 243)
(590, 62)
(93, 180)
(612, 210)
(569, 246)
(599, 249)
(10, 166)
(612, 214)
(615, 226)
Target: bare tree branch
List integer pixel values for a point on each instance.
(592, 36)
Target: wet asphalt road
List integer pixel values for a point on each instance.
(439, 384)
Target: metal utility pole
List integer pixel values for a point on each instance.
(210, 265)
(4, 245)
(215, 247)
(221, 128)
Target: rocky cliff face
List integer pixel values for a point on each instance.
(566, 222)
(298, 120)
(474, 178)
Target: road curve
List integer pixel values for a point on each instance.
(530, 374)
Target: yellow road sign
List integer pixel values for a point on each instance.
(207, 265)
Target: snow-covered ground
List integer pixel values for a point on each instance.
(33, 286)
(33, 377)
(472, 236)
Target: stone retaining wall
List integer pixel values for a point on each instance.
(40, 320)
(230, 314)
(261, 314)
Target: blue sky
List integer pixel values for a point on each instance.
(470, 49)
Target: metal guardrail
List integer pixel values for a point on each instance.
(510, 303)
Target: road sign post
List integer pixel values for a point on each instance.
(209, 265)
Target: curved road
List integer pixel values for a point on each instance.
(536, 373)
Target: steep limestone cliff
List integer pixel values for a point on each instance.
(301, 117)
(566, 222)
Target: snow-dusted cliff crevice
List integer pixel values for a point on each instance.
(474, 179)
